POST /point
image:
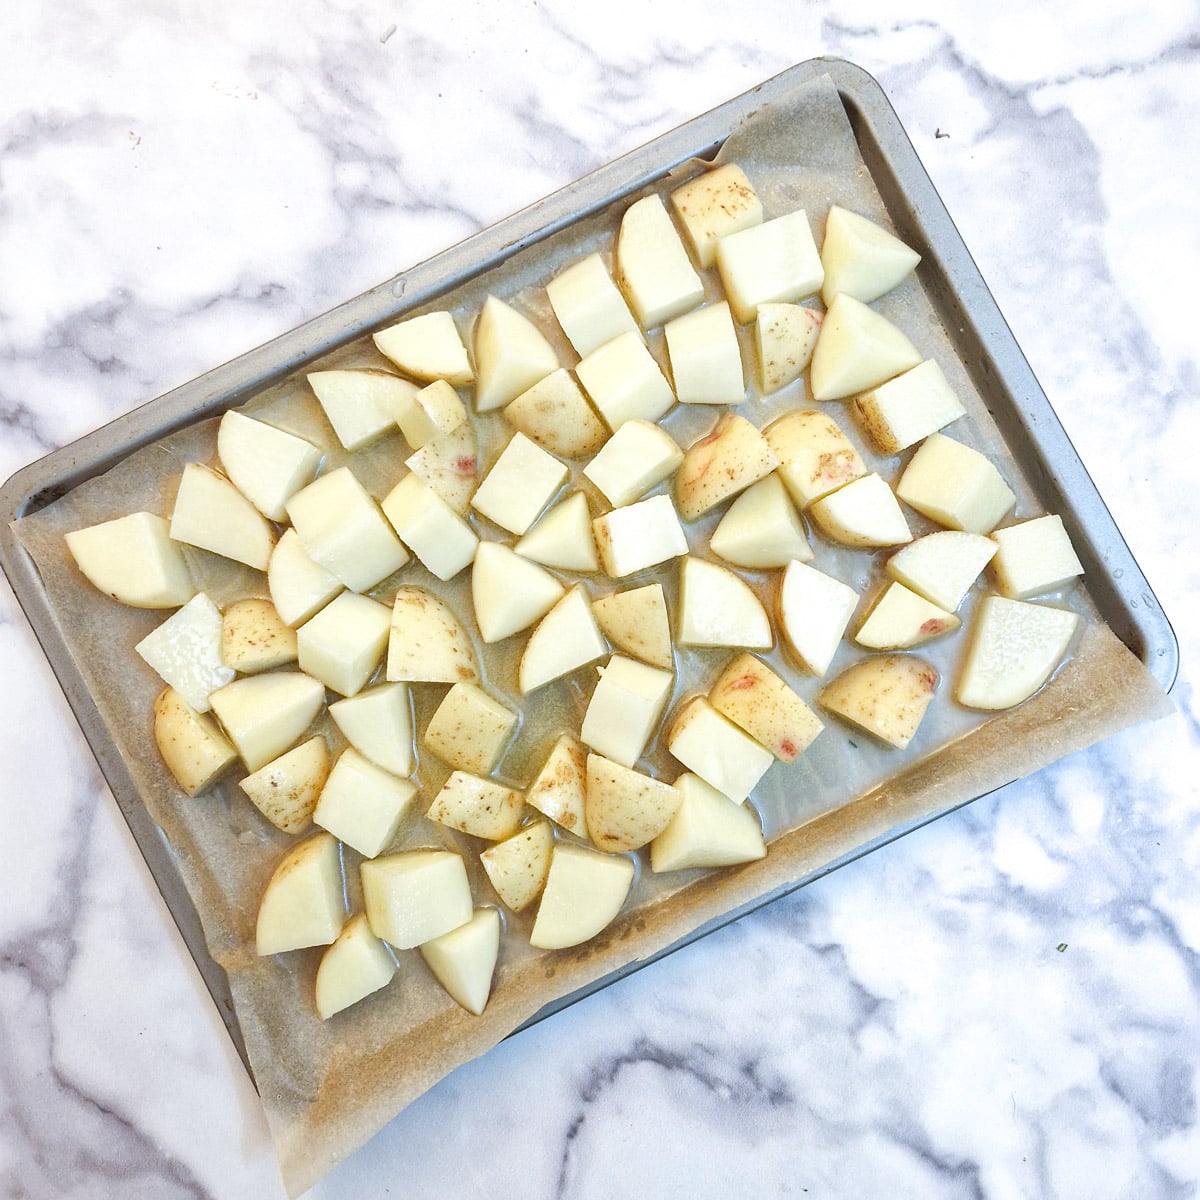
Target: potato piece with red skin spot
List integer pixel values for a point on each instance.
(722, 464)
(815, 456)
(885, 695)
(758, 700)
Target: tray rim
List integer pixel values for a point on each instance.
(44, 480)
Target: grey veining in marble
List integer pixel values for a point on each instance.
(1005, 1004)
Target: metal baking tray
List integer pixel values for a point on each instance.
(982, 340)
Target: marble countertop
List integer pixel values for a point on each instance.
(1003, 1004)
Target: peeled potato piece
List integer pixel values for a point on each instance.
(356, 965)
(133, 560)
(464, 960)
(584, 892)
(302, 905)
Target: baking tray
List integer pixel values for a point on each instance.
(981, 338)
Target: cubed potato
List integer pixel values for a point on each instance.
(356, 965)
(517, 867)
(509, 593)
(758, 700)
(480, 807)
(864, 513)
(267, 465)
(588, 305)
(414, 896)
(185, 650)
(719, 608)
(195, 751)
(426, 415)
(363, 805)
(427, 643)
(707, 830)
(776, 261)
(566, 638)
(360, 404)
(1034, 557)
(901, 619)
(286, 790)
(450, 465)
(266, 714)
(785, 336)
(652, 268)
(762, 528)
(470, 729)
(212, 514)
(858, 349)
(815, 456)
(521, 483)
(625, 809)
(706, 359)
(886, 695)
(343, 530)
(637, 622)
(899, 413)
(302, 905)
(625, 709)
(345, 642)
(861, 257)
(722, 464)
(584, 892)
(428, 347)
(956, 486)
(562, 537)
(1015, 647)
(713, 747)
(638, 457)
(942, 566)
(133, 560)
(555, 414)
(559, 788)
(638, 536)
(814, 610)
(442, 541)
(511, 355)
(463, 961)
(254, 638)
(624, 381)
(378, 724)
(299, 587)
(720, 201)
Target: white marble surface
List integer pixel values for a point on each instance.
(180, 182)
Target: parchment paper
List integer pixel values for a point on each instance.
(329, 1086)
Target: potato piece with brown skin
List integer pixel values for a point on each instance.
(556, 414)
(286, 790)
(625, 809)
(560, 787)
(470, 729)
(480, 807)
(427, 643)
(195, 751)
(254, 637)
(518, 866)
(757, 700)
(886, 695)
(815, 456)
(732, 457)
(636, 621)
